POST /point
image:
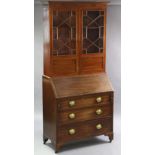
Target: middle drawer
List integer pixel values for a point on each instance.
(85, 114)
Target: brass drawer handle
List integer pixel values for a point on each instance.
(71, 103)
(71, 131)
(99, 111)
(71, 116)
(99, 126)
(99, 99)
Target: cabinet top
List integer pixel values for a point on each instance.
(44, 2)
(81, 85)
(71, 1)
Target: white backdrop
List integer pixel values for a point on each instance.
(137, 80)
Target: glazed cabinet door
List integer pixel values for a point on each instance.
(63, 36)
(92, 49)
(77, 38)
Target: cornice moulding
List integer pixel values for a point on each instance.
(39, 2)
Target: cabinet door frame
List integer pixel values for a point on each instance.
(63, 58)
(92, 55)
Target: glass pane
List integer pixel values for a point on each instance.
(93, 34)
(64, 33)
(93, 30)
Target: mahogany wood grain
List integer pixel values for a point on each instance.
(70, 86)
(76, 77)
(85, 114)
(76, 4)
(104, 40)
(49, 111)
(65, 67)
(82, 64)
(84, 101)
(47, 42)
(84, 130)
(56, 110)
(91, 64)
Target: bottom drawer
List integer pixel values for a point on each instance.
(78, 131)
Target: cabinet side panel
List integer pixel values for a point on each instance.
(49, 110)
(46, 40)
(104, 40)
(112, 102)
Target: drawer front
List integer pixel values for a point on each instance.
(84, 130)
(85, 114)
(82, 101)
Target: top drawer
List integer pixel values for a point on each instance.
(84, 101)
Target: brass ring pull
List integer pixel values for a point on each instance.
(99, 99)
(71, 103)
(71, 116)
(99, 126)
(71, 131)
(99, 111)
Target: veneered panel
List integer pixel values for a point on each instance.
(85, 129)
(91, 64)
(66, 66)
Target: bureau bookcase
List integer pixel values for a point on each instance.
(77, 94)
